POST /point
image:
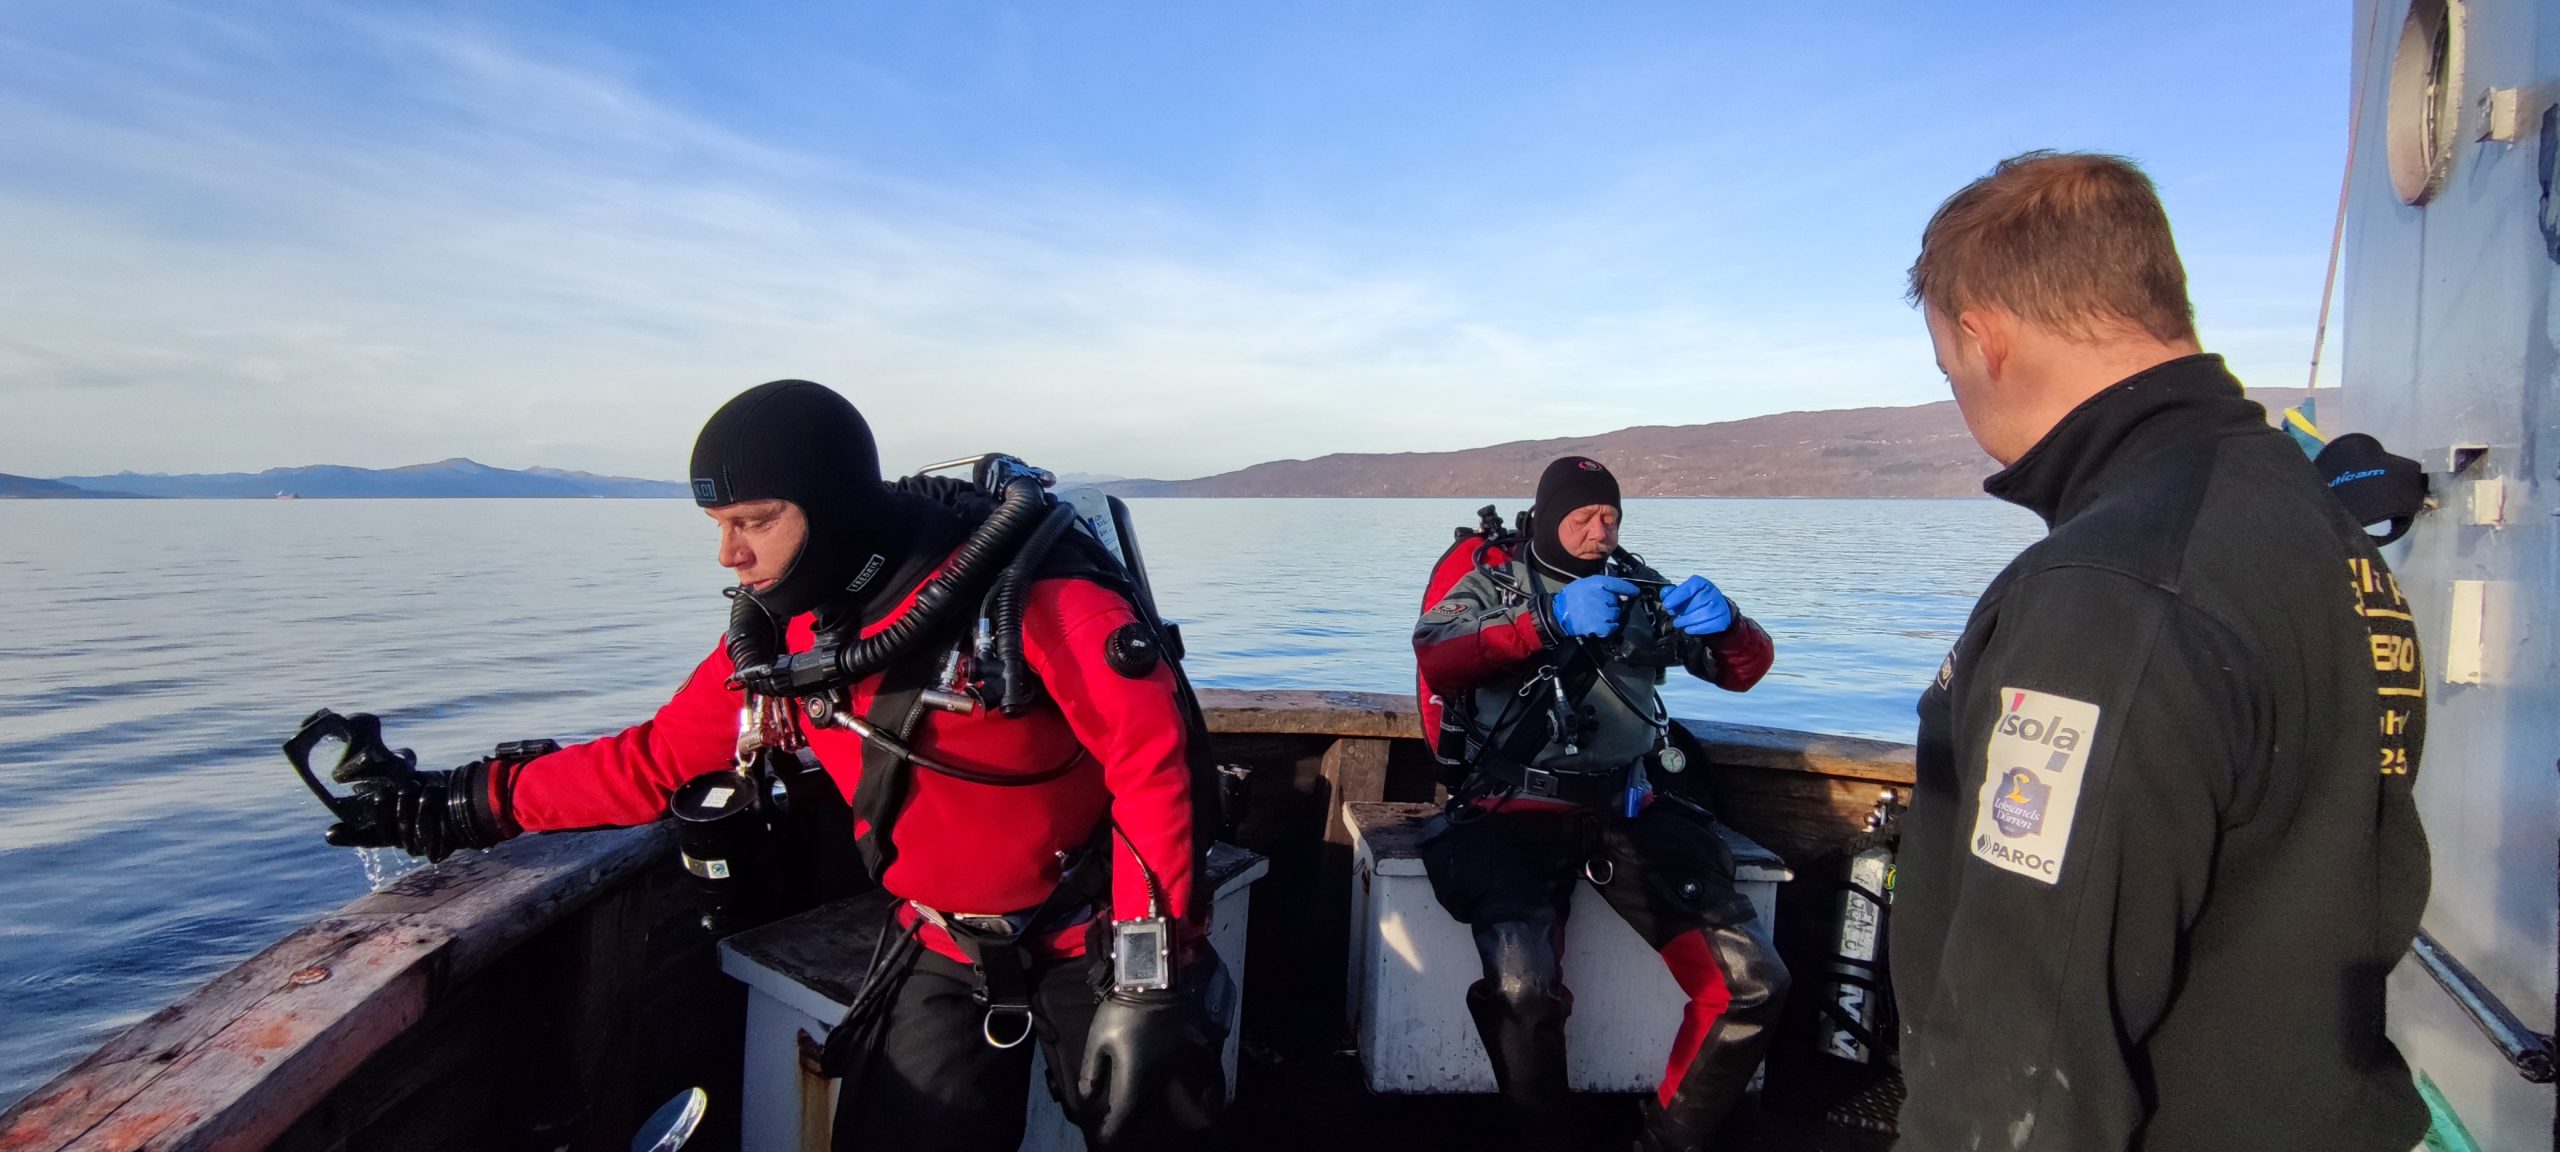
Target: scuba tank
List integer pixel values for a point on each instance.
(1444, 727)
(1854, 997)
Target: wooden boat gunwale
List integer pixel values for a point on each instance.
(322, 1039)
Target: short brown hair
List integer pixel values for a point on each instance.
(2073, 241)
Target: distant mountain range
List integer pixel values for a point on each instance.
(443, 479)
(1920, 451)
(30, 488)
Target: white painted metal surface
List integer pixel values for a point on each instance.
(778, 1098)
(1411, 964)
(2450, 339)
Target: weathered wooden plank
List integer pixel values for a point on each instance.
(237, 1061)
(1355, 772)
(1391, 716)
(455, 1079)
(1787, 750)
(1803, 818)
(490, 901)
(607, 967)
(1378, 714)
(79, 1099)
(246, 1084)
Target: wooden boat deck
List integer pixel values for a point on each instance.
(551, 993)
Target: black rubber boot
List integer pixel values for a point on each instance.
(1659, 1130)
(1523, 1033)
(1755, 983)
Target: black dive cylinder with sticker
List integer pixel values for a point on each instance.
(1854, 995)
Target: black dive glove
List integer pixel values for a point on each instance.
(1153, 1075)
(428, 814)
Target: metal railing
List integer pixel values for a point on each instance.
(2529, 1051)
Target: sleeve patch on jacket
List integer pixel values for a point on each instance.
(2038, 752)
(1449, 606)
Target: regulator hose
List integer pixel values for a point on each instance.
(1019, 505)
(755, 637)
(1012, 592)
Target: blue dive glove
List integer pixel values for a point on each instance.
(1698, 607)
(1589, 606)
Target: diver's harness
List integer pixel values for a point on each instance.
(931, 657)
(1496, 763)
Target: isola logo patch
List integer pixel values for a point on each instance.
(2032, 769)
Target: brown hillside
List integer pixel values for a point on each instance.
(1921, 451)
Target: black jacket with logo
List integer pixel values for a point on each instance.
(2163, 851)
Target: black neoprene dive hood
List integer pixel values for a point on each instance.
(797, 441)
(1569, 483)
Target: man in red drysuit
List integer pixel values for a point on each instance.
(1545, 654)
(975, 846)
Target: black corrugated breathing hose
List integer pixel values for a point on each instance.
(1019, 506)
(755, 637)
(1012, 593)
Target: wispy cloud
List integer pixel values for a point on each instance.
(379, 238)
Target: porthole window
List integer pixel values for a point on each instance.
(2426, 98)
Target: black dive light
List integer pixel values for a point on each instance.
(720, 838)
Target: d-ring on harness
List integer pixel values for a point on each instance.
(996, 949)
(1000, 947)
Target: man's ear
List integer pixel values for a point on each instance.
(1987, 334)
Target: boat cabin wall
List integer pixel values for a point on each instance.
(2450, 340)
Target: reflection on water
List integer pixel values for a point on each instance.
(158, 653)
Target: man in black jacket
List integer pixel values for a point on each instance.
(2162, 851)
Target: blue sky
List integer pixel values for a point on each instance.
(1141, 239)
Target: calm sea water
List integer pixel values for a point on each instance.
(156, 653)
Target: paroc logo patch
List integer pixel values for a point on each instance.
(2031, 775)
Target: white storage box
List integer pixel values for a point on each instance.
(800, 972)
(1411, 964)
